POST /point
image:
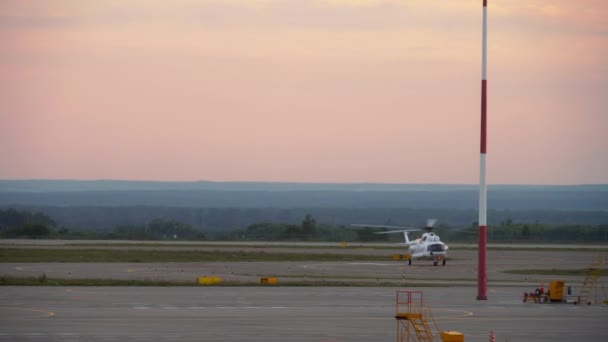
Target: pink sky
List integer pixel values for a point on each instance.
(303, 90)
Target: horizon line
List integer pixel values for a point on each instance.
(285, 182)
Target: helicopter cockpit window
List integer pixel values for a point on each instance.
(436, 248)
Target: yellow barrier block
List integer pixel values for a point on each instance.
(268, 281)
(556, 291)
(401, 256)
(209, 280)
(452, 336)
(344, 244)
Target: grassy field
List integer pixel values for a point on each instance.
(579, 272)
(44, 281)
(107, 255)
(549, 247)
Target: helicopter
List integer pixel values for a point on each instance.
(427, 247)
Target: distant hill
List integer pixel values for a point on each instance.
(122, 185)
(298, 195)
(218, 205)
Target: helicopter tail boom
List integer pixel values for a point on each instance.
(404, 231)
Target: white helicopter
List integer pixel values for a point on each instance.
(427, 247)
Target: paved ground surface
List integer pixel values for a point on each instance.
(460, 270)
(324, 314)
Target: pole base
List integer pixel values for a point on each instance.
(482, 298)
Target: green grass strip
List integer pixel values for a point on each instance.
(519, 247)
(536, 249)
(44, 281)
(579, 272)
(100, 255)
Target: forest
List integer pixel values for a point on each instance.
(295, 211)
(25, 224)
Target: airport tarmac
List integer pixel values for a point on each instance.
(297, 313)
(323, 314)
(461, 269)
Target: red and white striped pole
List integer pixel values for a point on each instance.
(482, 279)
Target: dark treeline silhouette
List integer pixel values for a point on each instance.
(15, 223)
(305, 226)
(90, 218)
(298, 210)
(24, 224)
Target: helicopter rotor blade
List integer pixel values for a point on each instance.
(379, 226)
(397, 231)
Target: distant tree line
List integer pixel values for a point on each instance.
(157, 229)
(307, 230)
(25, 224)
(222, 219)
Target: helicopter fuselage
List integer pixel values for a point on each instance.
(429, 247)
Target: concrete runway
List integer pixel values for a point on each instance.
(460, 270)
(323, 314)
